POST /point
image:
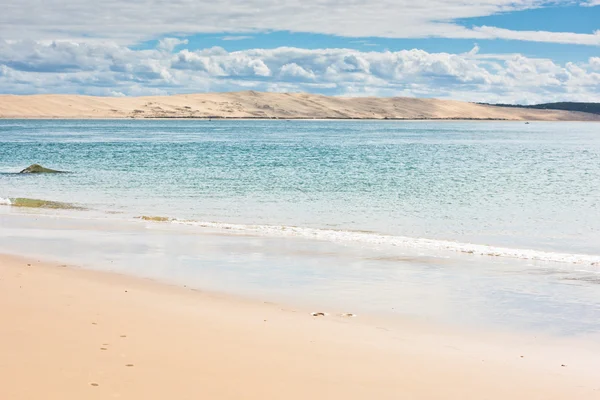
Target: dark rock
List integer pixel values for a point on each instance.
(38, 169)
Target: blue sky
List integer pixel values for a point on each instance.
(491, 50)
(235, 42)
(570, 18)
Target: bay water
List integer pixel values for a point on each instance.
(477, 222)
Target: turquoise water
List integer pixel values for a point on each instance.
(504, 184)
(495, 222)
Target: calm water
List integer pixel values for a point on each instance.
(401, 210)
(509, 184)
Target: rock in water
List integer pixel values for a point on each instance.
(38, 169)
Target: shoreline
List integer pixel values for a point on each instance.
(127, 118)
(160, 340)
(433, 245)
(317, 272)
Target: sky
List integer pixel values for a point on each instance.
(497, 51)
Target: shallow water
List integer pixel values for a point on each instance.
(390, 217)
(498, 183)
(485, 292)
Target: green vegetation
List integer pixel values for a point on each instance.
(36, 203)
(592, 108)
(154, 218)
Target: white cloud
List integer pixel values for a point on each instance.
(488, 32)
(293, 70)
(134, 21)
(218, 62)
(169, 44)
(474, 50)
(110, 69)
(364, 43)
(230, 38)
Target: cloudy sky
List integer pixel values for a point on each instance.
(513, 51)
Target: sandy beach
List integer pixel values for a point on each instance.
(262, 105)
(69, 333)
(299, 200)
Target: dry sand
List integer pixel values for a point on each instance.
(73, 334)
(252, 104)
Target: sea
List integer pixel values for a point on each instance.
(488, 224)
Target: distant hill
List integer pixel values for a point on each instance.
(262, 105)
(593, 108)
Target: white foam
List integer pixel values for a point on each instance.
(5, 201)
(408, 242)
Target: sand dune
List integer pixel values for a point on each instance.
(252, 104)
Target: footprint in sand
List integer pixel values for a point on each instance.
(129, 365)
(94, 384)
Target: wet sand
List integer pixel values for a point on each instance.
(69, 333)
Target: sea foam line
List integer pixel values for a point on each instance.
(5, 201)
(403, 241)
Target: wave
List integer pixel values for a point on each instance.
(401, 241)
(344, 236)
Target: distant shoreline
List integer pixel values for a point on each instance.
(260, 119)
(252, 105)
(33, 118)
(286, 119)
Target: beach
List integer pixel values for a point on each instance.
(299, 259)
(69, 333)
(301, 200)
